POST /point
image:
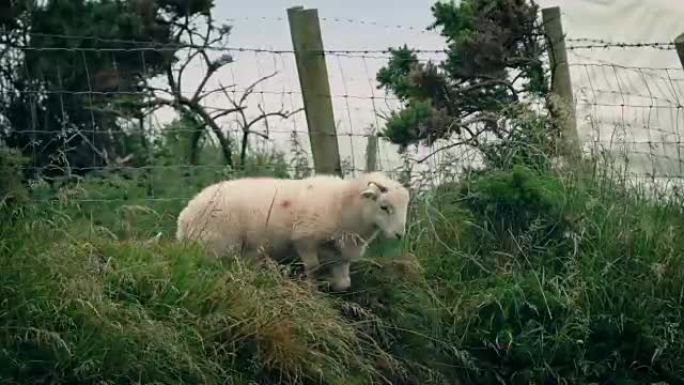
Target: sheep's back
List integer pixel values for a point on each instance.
(249, 209)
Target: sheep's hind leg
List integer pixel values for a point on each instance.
(255, 255)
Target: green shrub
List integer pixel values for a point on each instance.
(12, 186)
(551, 278)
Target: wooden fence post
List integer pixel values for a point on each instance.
(679, 43)
(562, 100)
(372, 152)
(313, 79)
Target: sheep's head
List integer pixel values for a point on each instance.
(386, 206)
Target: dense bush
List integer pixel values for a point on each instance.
(12, 186)
(561, 279)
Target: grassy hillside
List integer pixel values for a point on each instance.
(510, 276)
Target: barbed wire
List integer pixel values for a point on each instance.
(356, 52)
(587, 42)
(330, 19)
(181, 131)
(147, 93)
(176, 47)
(627, 105)
(605, 44)
(673, 103)
(343, 20)
(626, 67)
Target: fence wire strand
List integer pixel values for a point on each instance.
(634, 112)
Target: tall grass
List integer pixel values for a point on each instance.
(94, 309)
(511, 276)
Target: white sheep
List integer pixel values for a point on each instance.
(321, 214)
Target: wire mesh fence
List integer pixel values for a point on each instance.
(242, 107)
(631, 113)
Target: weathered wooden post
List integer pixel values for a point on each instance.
(679, 44)
(372, 152)
(562, 101)
(313, 79)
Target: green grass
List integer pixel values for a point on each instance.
(513, 276)
(83, 310)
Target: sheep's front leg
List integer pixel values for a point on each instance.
(308, 252)
(341, 280)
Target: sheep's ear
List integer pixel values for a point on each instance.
(369, 193)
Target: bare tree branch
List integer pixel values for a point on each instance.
(171, 80)
(189, 58)
(248, 91)
(244, 123)
(186, 63)
(214, 91)
(246, 128)
(199, 42)
(229, 111)
(474, 136)
(490, 82)
(282, 114)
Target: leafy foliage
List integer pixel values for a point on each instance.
(61, 111)
(493, 60)
(515, 198)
